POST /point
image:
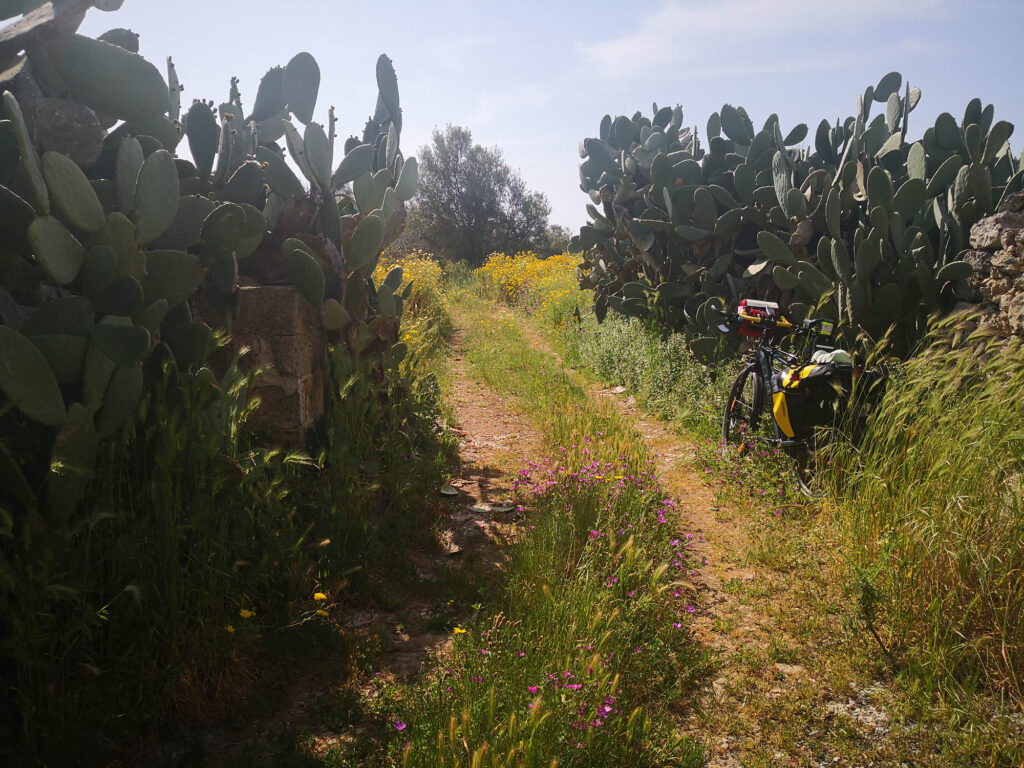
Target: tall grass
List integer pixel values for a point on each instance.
(931, 504)
(658, 369)
(197, 545)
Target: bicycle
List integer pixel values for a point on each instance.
(808, 391)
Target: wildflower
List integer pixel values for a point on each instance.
(246, 614)
(677, 625)
(229, 629)
(533, 688)
(318, 596)
(400, 726)
(321, 612)
(690, 609)
(484, 652)
(459, 631)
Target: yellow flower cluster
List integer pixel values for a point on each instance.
(417, 266)
(425, 318)
(548, 286)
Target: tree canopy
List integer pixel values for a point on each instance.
(471, 203)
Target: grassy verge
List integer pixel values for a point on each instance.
(919, 542)
(931, 509)
(585, 652)
(203, 568)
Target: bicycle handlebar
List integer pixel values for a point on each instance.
(781, 322)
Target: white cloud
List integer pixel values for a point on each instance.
(735, 36)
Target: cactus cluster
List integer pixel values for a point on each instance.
(867, 228)
(108, 238)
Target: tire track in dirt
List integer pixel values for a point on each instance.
(742, 613)
(495, 440)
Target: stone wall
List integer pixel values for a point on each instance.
(287, 342)
(997, 255)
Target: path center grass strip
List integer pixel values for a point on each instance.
(583, 658)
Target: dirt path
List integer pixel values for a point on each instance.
(494, 442)
(770, 700)
(465, 549)
(782, 692)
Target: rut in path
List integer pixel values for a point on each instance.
(743, 612)
(495, 440)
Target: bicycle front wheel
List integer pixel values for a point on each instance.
(743, 408)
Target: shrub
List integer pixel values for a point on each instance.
(546, 287)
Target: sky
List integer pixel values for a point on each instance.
(535, 78)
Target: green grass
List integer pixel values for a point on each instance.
(919, 541)
(658, 369)
(932, 510)
(583, 654)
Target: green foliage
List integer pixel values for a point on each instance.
(662, 372)
(135, 232)
(471, 203)
(688, 223)
(931, 508)
(136, 516)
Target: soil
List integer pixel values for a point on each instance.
(742, 605)
(769, 668)
(494, 441)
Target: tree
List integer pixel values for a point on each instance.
(556, 240)
(470, 203)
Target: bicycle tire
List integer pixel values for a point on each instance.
(806, 460)
(743, 407)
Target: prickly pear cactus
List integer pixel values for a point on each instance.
(866, 228)
(108, 238)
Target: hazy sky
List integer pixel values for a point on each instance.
(534, 78)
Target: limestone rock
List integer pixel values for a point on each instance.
(987, 234)
(1013, 309)
(286, 342)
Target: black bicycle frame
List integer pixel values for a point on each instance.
(768, 361)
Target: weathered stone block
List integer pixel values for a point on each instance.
(987, 234)
(287, 342)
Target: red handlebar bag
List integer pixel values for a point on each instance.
(751, 311)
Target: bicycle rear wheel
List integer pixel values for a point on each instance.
(743, 408)
(807, 461)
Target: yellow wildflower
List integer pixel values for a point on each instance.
(229, 629)
(246, 614)
(319, 596)
(321, 612)
(459, 631)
